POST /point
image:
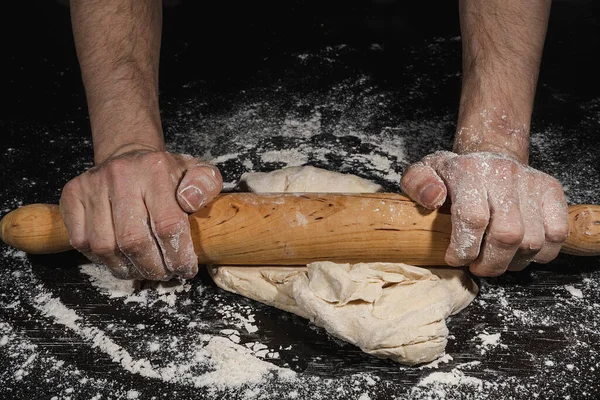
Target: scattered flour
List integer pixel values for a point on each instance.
(131, 290)
(489, 341)
(446, 358)
(101, 278)
(456, 377)
(133, 394)
(232, 365)
(195, 338)
(574, 291)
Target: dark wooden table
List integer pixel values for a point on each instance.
(363, 88)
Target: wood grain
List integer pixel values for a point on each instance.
(584, 222)
(298, 228)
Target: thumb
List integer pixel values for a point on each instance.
(200, 184)
(422, 184)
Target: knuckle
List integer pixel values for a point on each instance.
(471, 217)
(70, 191)
(131, 243)
(554, 190)
(532, 243)
(103, 248)
(157, 161)
(554, 184)
(557, 233)
(508, 237)
(118, 167)
(170, 226)
(70, 188)
(80, 243)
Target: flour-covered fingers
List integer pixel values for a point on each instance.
(133, 233)
(556, 222)
(88, 219)
(422, 184)
(72, 211)
(533, 236)
(470, 218)
(103, 243)
(502, 239)
(504, 214)
(171, 230)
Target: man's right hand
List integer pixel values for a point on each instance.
(130, 212)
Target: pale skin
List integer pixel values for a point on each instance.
(505, 214)
(130, 211)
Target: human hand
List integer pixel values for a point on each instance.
(504, 214)
(130, 212)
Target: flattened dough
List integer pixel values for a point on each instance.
(390, 310)
(306, 179)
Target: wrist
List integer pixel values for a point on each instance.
(495, 132)
(120, 126)
(112, 143)
(131, 148)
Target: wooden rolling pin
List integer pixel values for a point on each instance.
(295, 229)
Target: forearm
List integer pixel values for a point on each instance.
(118, 47)
(502, 48)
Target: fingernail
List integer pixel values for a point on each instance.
(193, 196)
(431, 195)
(208, 180)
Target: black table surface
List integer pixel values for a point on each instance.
(357, 87)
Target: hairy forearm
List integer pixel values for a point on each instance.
(502, 48)
(118, 47)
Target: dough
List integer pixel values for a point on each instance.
(390, 310)
(305, 179)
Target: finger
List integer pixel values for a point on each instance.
(200, 184)
(533, 237)
(134, 236)
(103, 244)
(502, 240)
(556, 223)
(73, 214)
(422, 184)
(171, 229)
(470, 217)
